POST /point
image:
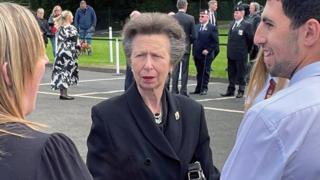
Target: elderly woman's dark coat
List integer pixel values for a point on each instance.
(126, 143)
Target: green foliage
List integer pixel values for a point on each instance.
(101, 58)
(157, 6)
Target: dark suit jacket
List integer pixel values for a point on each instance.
(240, 41)
(188, 25)
(125, 143)
(206, 39)
(254, 20)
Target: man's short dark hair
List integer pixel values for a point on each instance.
(300, 11)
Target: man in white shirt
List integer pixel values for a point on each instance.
(279, 137)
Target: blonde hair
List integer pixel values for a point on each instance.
(21, 47)
(55, 9)
(258, 77)
(61, 20)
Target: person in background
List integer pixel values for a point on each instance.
(44, 26)
(240, 41)
(65, 68)
(254, 19)
(278, 137)
(148, 132)
(187, 23)
(25, 152)
(204, 51)
(213, 7)
(129, 76)
(85, 21)
(259, 84)
(56, 11)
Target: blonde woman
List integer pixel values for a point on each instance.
(65, 68)
(26, 153)
(56, 11)
(259, 83)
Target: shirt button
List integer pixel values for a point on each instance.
(147, 162)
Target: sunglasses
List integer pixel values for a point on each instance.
(202, 16)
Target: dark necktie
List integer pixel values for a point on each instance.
(235, 25)
(213, 19)
(201, 27)
(271, 88)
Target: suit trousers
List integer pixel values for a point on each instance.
(203, 67)
(236, 74)
(184, 75)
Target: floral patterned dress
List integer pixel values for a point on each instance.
(65, 67)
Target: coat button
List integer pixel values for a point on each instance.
(147, 162)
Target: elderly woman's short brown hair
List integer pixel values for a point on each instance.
(155, 23)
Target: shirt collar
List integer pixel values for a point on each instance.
(307, 71)
(204, 25)
(239, 21)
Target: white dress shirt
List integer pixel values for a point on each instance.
(279, 138)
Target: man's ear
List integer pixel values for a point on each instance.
(5, 74)
(311, 33)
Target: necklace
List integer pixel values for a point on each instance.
(158, 117)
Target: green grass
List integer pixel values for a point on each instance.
(100, 58)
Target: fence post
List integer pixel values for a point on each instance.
(110, 44)
(117, 57)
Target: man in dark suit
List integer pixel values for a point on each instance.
(254, 19)
(213, 7)
(187, 23)
(240, 40)
(204, 51)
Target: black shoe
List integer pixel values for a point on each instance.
(195, 92)
(227, 94)
(66, 98)
(204, 92)
(239, 95)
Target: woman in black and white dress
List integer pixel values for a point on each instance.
(65, 68)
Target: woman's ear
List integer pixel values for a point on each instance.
(5, 74)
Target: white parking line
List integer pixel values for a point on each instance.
(106, 92)
(82, 96)
(91, 80)
(88, 95)
(223, 110)
(215, 99)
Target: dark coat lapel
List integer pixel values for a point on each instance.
(174, 124)
(147, 126)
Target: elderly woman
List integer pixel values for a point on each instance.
(26, 153)
(148, 133)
